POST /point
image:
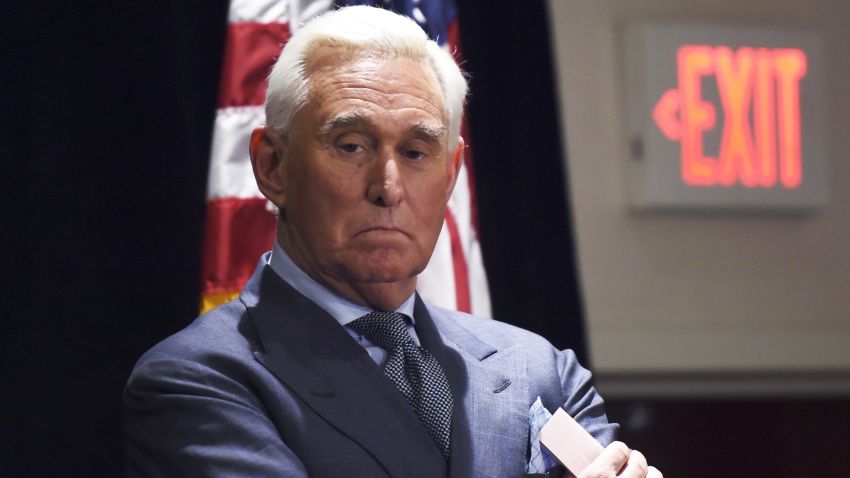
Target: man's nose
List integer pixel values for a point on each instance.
(385, 188)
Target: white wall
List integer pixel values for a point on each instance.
(702, 295)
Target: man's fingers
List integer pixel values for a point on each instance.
(618, 461)
(613, 457)
(609, 462)
(636, 467)
(654, 473)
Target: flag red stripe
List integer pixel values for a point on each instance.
(453, 40)
(470, 177)
(461, 273)
(250, 52)
(237, 232)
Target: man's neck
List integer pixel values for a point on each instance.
(380, 296)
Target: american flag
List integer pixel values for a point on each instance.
(240, 225)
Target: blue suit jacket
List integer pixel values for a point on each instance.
(270, 385)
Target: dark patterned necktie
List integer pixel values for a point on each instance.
(414, 371)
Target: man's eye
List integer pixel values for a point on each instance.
(351, 148)
(413, 154)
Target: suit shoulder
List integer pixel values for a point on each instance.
(213, 356)
(499, 334)
(224, 330)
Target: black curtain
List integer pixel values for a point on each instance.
(526, 233)
(107, 111)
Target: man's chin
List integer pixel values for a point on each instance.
(388, 272)
(387, 276)
(384, 265)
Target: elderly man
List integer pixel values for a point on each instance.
(329, 364)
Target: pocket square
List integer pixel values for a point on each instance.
(539, 460)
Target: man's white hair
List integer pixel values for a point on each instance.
(369, 29)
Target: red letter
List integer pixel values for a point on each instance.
(764, 118)
(790, 68)
(734, 82)
(696, 115)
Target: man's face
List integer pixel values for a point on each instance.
(368, 171)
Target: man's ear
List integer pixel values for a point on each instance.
(455, 160)
(268, 151)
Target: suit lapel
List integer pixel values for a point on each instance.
(490, 390)
(309, 351)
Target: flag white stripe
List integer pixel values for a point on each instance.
(479, 290)
(260, 12)
(304, 10)
(230, 173)
(436, 284)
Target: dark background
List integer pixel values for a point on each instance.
(107, 111)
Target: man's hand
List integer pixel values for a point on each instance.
(618, 461)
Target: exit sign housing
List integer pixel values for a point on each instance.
(725, 118)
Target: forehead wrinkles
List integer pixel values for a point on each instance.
(392, 83)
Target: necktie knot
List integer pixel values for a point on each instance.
(386, 329)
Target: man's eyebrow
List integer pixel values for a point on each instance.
(343, 120)
(430, 133)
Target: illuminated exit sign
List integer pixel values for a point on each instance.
(725, 118)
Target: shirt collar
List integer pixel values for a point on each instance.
(340, 308)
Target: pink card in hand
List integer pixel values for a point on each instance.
(569, 442)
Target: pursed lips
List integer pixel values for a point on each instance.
(382, 230)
